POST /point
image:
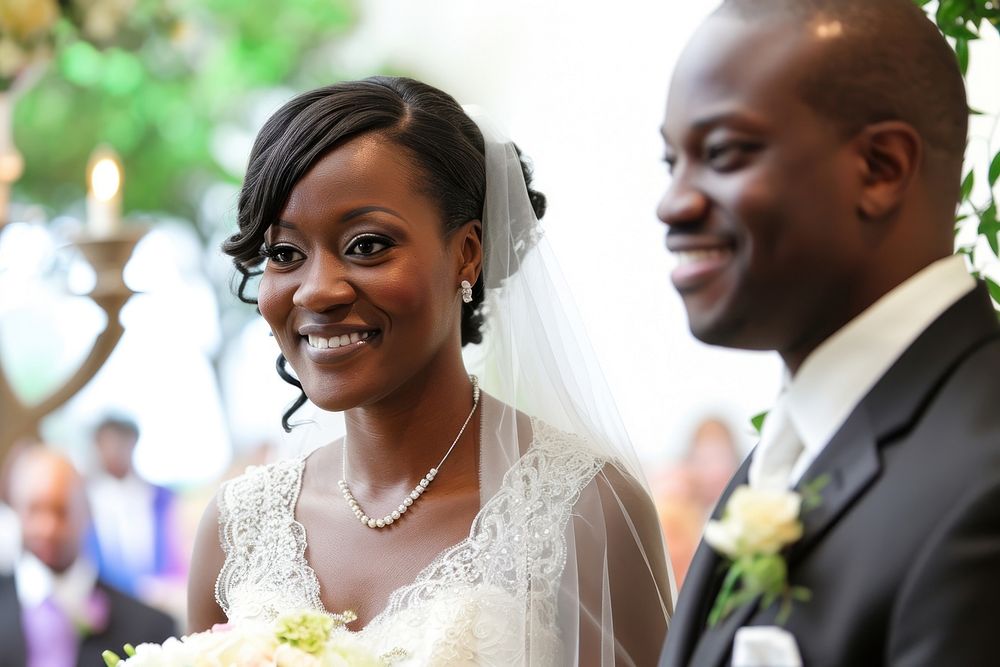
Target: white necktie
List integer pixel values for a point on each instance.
(778, 451)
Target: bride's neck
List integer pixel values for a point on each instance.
(398, 439)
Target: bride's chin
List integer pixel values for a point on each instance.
(342, 394)
(338, 403)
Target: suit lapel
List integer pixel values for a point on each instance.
(12, 647)
(847, 465)
(851, 461)
(699, 590)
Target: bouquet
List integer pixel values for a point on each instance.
(298, 639)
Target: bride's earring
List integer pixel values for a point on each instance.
(466, 291)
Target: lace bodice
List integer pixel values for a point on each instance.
(492, 599)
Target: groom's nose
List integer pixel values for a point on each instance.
(682, 204)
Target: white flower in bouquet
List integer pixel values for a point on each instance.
(300, 639)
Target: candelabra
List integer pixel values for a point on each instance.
(108, 256)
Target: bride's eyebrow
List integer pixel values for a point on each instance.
(362, 210)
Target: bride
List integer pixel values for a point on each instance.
(490, 520)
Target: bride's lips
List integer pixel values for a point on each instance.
(324, 343)
(698, 262)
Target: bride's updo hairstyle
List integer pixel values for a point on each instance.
(439, 137)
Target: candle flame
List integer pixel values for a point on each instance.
(829, 29)
(105, 179)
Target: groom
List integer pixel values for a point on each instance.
(816, 152)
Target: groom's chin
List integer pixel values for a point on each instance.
(724, 328)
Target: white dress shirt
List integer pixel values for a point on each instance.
(122, 511)
(10, 539)
(839, 373)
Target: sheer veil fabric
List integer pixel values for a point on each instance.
(616, 591)
(565, 563)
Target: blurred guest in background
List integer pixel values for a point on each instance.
(10, 527)
(711, 460)
(54, 610)
(686, 492)
(681, 518)
(136, 541)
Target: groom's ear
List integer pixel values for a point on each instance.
(889, 155)
(470, 247)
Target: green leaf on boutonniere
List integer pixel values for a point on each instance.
(757, 421)
(723, 603)
(812, 492)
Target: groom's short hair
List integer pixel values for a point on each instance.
(885, 61)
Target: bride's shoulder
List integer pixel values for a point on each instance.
(276, 482)
(554, 442)
(611, 475)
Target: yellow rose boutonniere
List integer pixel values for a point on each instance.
(756, 525)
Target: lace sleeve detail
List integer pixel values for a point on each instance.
(265, 570)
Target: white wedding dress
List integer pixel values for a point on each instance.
(492, 599)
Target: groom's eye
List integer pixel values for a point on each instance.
(729, 155)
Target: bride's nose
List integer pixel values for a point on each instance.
(325, 285)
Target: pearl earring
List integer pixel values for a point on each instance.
(466, 291)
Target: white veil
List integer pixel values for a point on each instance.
(616, 591)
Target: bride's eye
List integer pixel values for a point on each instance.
(280, 255)
(368, 245)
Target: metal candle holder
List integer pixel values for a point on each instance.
(108, 256)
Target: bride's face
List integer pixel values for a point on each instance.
(361, 286)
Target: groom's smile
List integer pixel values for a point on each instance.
(699, 261)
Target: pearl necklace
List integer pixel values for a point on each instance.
(421, 486)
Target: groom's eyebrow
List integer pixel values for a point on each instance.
(740, 118)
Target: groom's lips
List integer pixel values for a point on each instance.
(699, 261)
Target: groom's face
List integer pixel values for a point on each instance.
(761, 201)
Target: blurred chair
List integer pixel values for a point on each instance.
(54, 609)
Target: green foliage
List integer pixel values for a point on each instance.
(757, 421)
(964, 21)
(161, 93)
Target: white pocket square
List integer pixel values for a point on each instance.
(765, 646)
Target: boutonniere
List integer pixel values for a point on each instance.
(756, 525)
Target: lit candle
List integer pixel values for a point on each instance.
(104, 194)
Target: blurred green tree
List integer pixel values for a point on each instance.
(159, 89)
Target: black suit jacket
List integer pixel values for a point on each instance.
(130, 622)
(903, 555)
